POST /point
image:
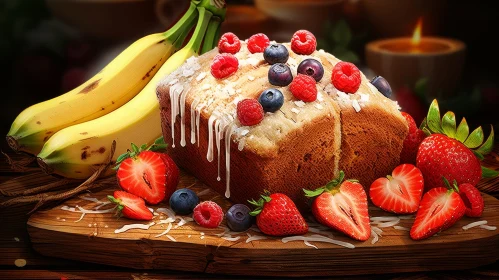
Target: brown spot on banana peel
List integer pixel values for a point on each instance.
(161, 42)
(148, 74)
(83, 133)
(38, 122)
(84, 155)
(49, 132)
(90, 87)
(89, 138)
(85, 148)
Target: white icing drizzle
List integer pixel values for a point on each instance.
(198, 116)
(175, 91)
(228, 135)
(240, 146)
(218, 128)
(211, 120)
(182, 119)
(194, 104)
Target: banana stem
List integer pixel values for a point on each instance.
(210, 38)
(197, 38)
(216, 7)
(177, 33)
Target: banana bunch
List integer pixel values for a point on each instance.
(77, 149)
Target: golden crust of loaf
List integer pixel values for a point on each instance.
(303, 145)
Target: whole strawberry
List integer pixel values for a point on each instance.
(439, 155)
(277, 215)
(342, 206)
(412, 141)
(450, 152)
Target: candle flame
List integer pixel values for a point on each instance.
(416, 36)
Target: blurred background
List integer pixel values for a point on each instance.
(48, 47)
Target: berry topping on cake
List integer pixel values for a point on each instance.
(399, 193)
(411, 141)
(271, 100)
(130, 206)
(303, 88)
(280, 75)
(208, 214)
(183, 201)
(277, 215)
(258, 42)
(382, 85)
(249, 112)
(311, 67)
(238, 218)
(346, 77)
(452, 152)
(473, 200)
(303, 42)
(276, 53)
(224, 65)
(342, 206)
(439, 209)
(229, 43)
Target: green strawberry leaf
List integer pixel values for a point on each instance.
(463, 131)
(314, 193)
(489, 143)
(143, 147)
(426, 131)
(475, 139)
(160, 140)
(255, 212)
(433, 118)
(449, 124)
(489, 173)
(478, 155)
(423, 124)
(135, 149)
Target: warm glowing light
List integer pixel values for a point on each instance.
(416, 36)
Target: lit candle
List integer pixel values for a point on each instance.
(403, 61)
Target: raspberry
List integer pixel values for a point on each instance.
(303, 42)
(346, 77)
(229, 43)
(303, 87)
(249, 112)
(224, 65)
(208, 214)
(258, 42)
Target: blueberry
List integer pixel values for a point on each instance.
(276, 53)
(280, 75)
(183, 201)
(271, 100)
(238, 217)
(312, 68)
(382, 85)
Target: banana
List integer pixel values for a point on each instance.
(76, 151)
(115, 85)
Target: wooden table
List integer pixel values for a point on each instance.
(15, 245)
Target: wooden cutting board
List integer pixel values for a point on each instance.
(93, 239)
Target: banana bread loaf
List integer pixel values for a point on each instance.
(302, 145)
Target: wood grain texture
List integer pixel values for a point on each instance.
(54, 233)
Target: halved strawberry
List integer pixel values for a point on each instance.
(399, 193)
(440, 208)
(131, 206)
(144, 175)
(342, 206)
(472, 199)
